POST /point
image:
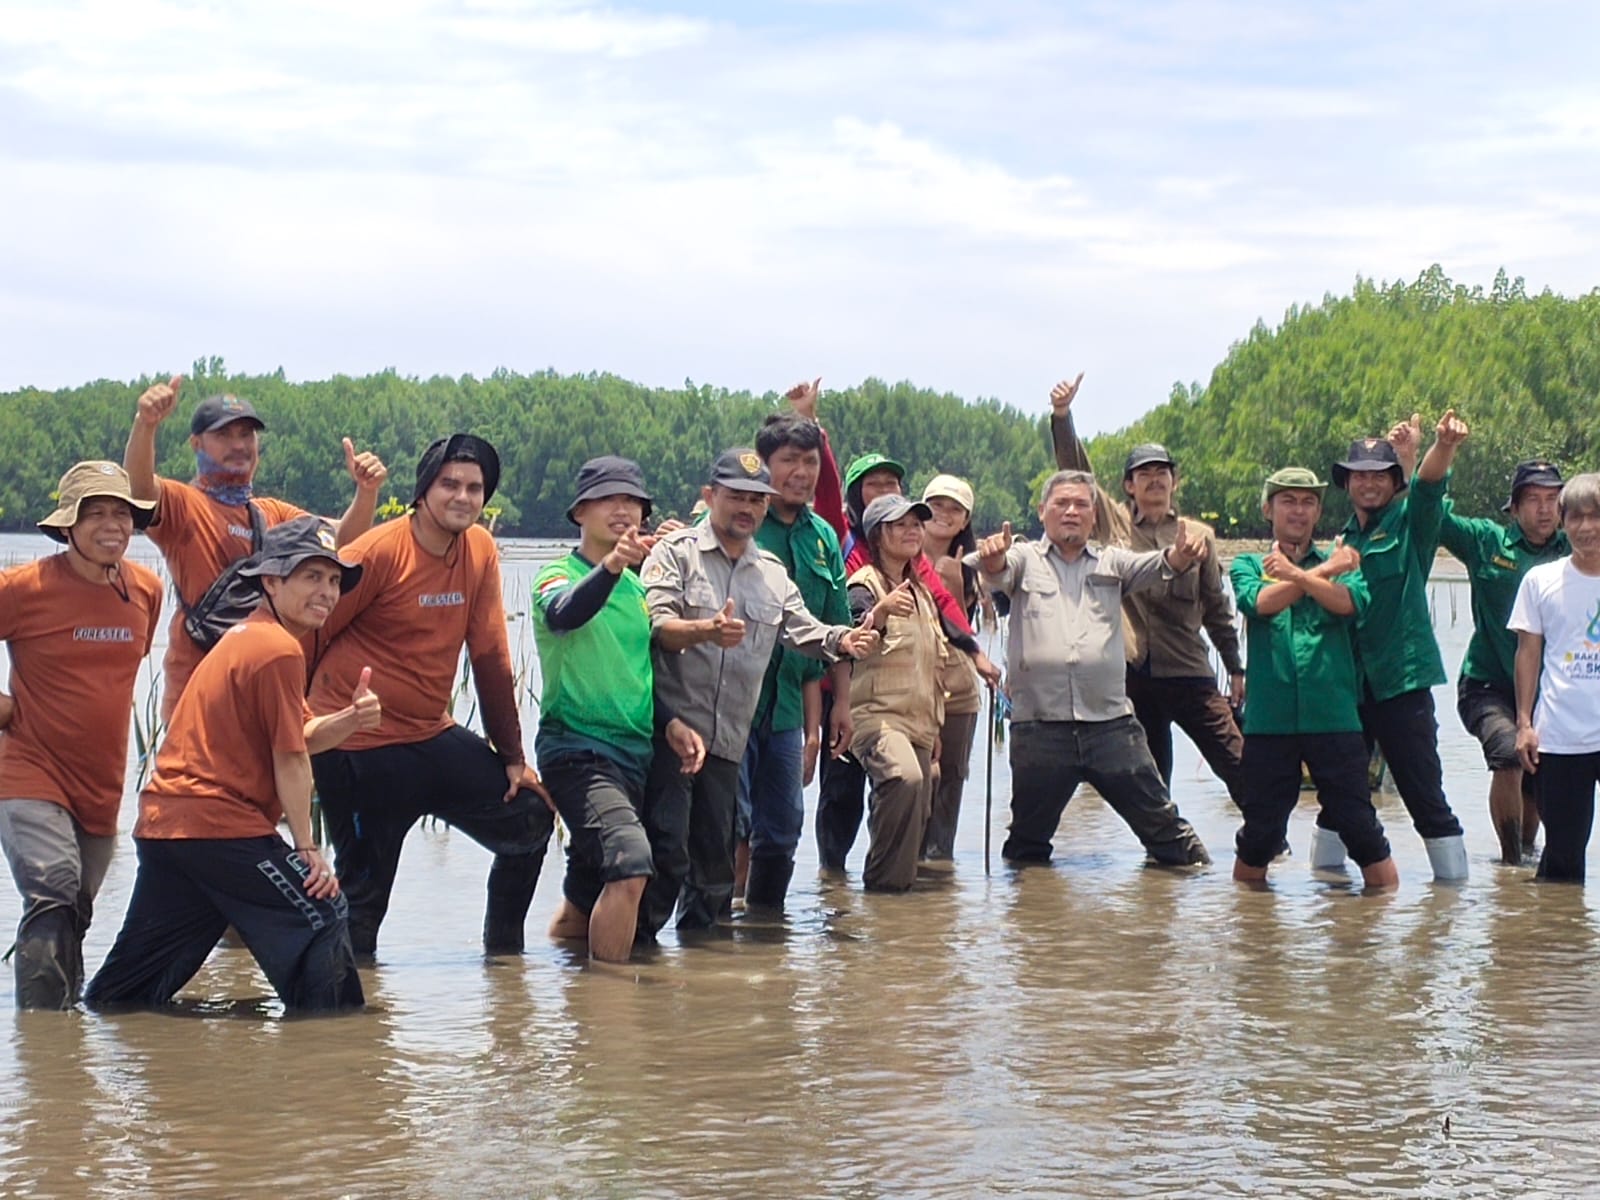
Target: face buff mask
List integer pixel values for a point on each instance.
(216, 481)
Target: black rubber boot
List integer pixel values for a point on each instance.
(48, 960)
(769, 881)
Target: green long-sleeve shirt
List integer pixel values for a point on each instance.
(1394, 637)
(1496, 557)
(1300, 673)
(809, 550)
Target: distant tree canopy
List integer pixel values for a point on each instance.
(1523, 371)
(544, 425)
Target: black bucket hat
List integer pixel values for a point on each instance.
(458, 447)
(285, 546)
(1369, 454)
(1535, 472)
(609, 475)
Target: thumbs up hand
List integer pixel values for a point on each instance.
(158, 400)
(726, 629)
(898, 603)
(992, 550)
(366, 468)
(364, 702)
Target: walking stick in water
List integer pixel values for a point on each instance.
(988, 785)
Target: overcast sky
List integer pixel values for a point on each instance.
(978, 197)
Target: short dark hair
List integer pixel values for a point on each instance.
(786, 429)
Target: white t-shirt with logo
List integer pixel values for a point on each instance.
(1561, 603)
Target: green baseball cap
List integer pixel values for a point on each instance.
(1291, 479)
(870, 462)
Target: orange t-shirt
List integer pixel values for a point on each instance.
(407, 620)
(214, 775)
(75, 647)
(199, 538)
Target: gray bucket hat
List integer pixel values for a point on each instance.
(285, 546)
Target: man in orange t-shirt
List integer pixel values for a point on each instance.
(431, 585)
(77, 625)
(202, 527)
(235, 762)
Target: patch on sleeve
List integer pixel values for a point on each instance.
(652, 572)
(553, 583)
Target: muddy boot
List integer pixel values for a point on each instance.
(1448, 858)
(769, 881)
(511, 882)
(43, 959)
(1327, 850)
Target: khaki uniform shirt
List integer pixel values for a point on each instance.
(1162, 632)
(1065, 659)
(689, 576)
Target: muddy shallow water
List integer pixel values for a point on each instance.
(1096, 1028)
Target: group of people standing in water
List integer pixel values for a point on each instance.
(696, 677)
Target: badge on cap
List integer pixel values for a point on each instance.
(1372, 443)
(106, 468)
(750, 462)
(325, 539)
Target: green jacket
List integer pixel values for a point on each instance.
(809, 550)
(1496, 557)
(1394, 637)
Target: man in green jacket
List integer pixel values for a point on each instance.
(1303, 686)
(785, 734)
(1396, 532)
(1497, 556)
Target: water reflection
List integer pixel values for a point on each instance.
(1093, 1028)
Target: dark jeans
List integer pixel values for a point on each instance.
(1566, 801)
(188, 891)
(1407, 731)
(1050, 758)
(372, 798)
(689, 821)
(841, 801)
(1197, 708)
(1270, 789)
(599, 803)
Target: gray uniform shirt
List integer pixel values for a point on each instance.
(689, 576)
(1065, 660)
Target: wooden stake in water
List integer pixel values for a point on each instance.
(988, 785)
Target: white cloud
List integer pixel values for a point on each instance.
(977, 199)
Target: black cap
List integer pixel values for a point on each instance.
(214, 412)
(458, 447)
(1369, 454)
(609, 475)
(743, 471)
(1535, 472)
(1143, 456)
(891, 508)
(285, 546)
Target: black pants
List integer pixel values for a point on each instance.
(372, 798)
(187, 892)
(689, 820)
(1270, 788)
(1050, 758)
(599, 803)
(1196, 707)
(1407, 731)
(1566, 801)
(841, 801)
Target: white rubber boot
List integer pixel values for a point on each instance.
(1327, 850)
(1448, 857)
